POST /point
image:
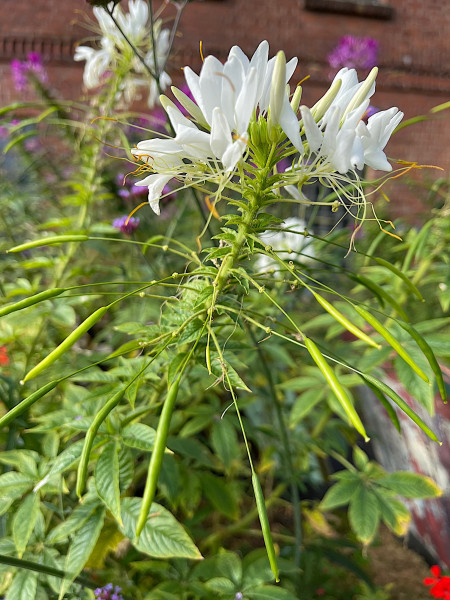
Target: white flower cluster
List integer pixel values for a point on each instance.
(330, 138)
(113, 48)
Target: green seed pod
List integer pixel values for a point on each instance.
(5, 310)
(67, 343)
(410, 285)
(48, 241)
(27, 402)
(154, 467)
(265, 527)
(90, 436)
(429, 355)
(391, 341)
(337, 388)
(403, 405)
(345, 322)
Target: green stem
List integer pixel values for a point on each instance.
(287, 452)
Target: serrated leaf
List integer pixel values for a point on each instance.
(410, 485)
(13, 485)
(81, 547)
(138, 435)
(162, 536)
(23, 586)
(268, 592)
(218, 493)
(110, 537)
(74, 522)
(24, 522)
(364, 514)
(126, 469)
(221, 585)
(340, 494)
(107, 478)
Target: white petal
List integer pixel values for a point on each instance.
(220, 133)
(156, 185)
(246, 102)
(234, 152)
(290, 126)
(312, 130)
(211, 81)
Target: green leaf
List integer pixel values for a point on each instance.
(225, 442)
(364, 514)
(23, 587)
(410, 485)
(138, 435)
(226, 565)
(66, 459)
(340, 493)
(81, 546)
(269, 592)
(74, 522)
(13, 485)
(107, 478)
(162, 536)
(304, 404)
(218, 493)
(360, 458)
(221, 585)
(24, 522)
(393, 512)
(126, 468)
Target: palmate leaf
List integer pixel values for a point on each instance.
(162, 536)
(410, 485)
(341, 493)
(364, 514)
(394, 514)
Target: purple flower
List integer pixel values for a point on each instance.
(108, 592)
(354, 52)
(126, 224)
(238, 596)
(21, 69)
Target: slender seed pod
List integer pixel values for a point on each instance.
(67, 343)
(391, 341)
(345, 322)
(403, 405)
(387, 405)
(409, 284)
(265, 527)
(6, 310)
(429, 355)
(90, 436)
(27, 402)
(380, 293)
(154, 467)
(337, 388)
(47, 241)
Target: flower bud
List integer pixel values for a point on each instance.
(362, 93)
(321, 107)
(295, 102)
(277, 93)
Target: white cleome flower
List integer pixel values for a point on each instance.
(114, 49)
(235, 100)
(289, 243)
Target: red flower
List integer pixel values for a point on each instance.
(4, 358)
(440, 584)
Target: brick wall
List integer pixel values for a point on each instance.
(414, 55)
